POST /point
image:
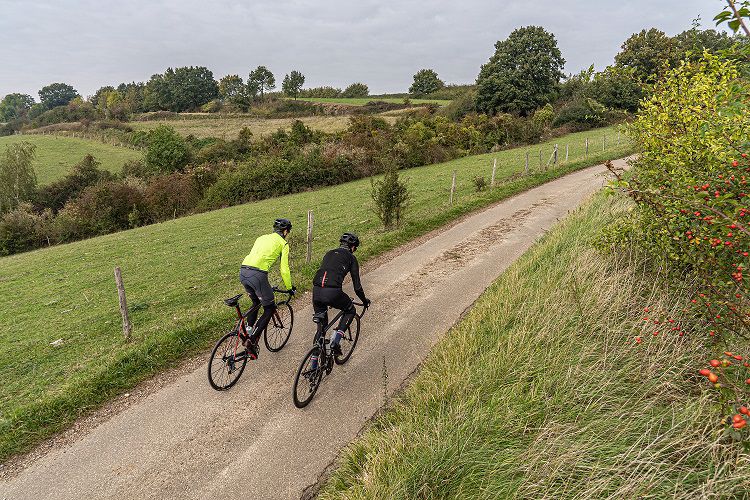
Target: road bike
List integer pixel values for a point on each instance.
(229, 357)
(319, 361)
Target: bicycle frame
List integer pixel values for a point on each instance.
(323, 330)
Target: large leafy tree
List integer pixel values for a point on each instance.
(292, 83)
(15, 106)
(426, 81)
(57, 94)
(192, 87)
(649, 54)
(180, 89)
(261, 80)
(523, 73)
(234, 91)
(17, 176)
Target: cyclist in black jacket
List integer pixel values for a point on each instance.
(337, 263)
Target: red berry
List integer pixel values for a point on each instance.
(714, 363)
(705, 372)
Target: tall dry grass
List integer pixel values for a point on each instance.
(542, 392)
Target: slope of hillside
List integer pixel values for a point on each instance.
(176, 274)
(56, 155)
(542, 392)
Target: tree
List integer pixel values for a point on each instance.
(293, 83)
(261, 80)
(17, 176)
(15, 106)
(617, 87)
(191, 87)
(356, 90)
(57, 94)
(426, 81)
(522, 75)
(167, 150)
(649, 53)
(391, 197)
(158, 93)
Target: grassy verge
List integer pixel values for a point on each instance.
(361, 101)
(541, 392)
(55, 155)
(176, 274)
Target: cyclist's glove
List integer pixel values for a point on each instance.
(367, 302)
(293, 290)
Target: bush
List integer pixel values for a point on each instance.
(581, 114)
(328, 92)
(172, 195)
(167, 150)
(460, 106)
(108, 207)
(212, 106)
(86, 173)
(356, 90)
(22, 229)
(391, 197)
(480, 183)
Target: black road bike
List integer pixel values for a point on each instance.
(229, 357)
(319, 361)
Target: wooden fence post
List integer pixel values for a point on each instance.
(555, 156)
(308, 257)
(453, 187)
(617, 143)
(604, 142)
(494, 168)
(126, 326)
(527, 163)
(540, 159)
(566, 152)
(587, 147)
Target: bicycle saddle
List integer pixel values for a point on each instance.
(233, 301)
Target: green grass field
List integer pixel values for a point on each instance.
(56, 155)
(176, 274)
(541, 392)
(361, 101)
(228, 127)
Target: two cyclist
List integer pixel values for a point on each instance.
(327, 285)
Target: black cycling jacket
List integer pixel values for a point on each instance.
(334, 268)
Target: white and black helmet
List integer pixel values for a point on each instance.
(349, 239)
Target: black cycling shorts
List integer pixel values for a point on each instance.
(257, 286)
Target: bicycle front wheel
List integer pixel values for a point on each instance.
(279, 329)
(308, 378)
(227, 362)
(348, 342)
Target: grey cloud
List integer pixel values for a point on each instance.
(93, 43)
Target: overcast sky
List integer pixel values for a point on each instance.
(91, 43)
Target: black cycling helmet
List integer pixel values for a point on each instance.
(349, 239)
(282, 224)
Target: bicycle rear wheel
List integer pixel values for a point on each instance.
(279, 329)
(348, 342)
(307, 381)
(227, 362)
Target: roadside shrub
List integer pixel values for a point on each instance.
(391, 198)
(167, 150)
(480, 183)
(136, 168)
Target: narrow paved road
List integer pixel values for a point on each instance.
(188, 441)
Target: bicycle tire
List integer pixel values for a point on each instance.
(279, 335)
(312, 378)
(348, 342)
(235, 362)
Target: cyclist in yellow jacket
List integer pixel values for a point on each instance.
(254, 277)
